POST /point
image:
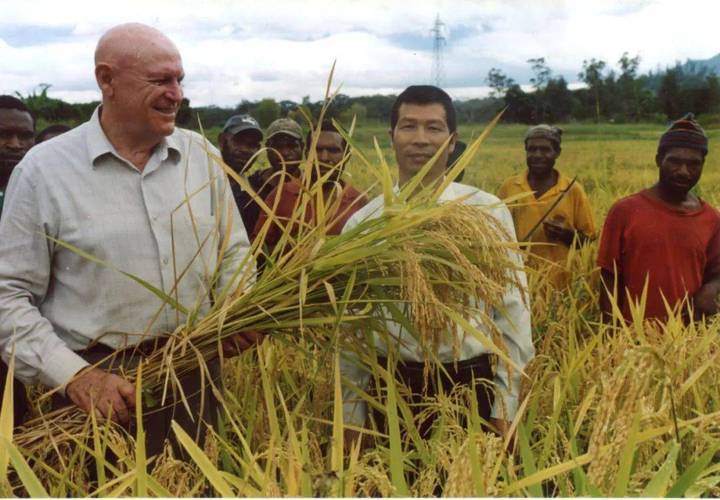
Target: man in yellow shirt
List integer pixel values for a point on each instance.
(568, 223)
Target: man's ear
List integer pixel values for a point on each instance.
(221, 139)
(659, 159)
(559, 150)
(104, 78)
(390, 133)
(453, 141)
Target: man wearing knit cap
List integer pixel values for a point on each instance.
(557, 216)
(664, 238)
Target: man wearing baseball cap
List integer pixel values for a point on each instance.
(661, 246)
(239, 143)
(285, 145)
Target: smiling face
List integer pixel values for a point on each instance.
(420, 132)
(680, 169)
(149, 93)
(238, 149)
(540, 156)
(139, 71)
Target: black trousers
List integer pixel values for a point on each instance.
(204, 406)
(21, 404)
(476, 371)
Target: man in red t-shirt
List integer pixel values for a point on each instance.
(340, 198)
(665, 238)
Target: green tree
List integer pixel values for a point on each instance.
(629, 87)
(266, 111)
(498, 82)
(539, 81)
(558, 100)
(521, 106)
(592, 75)
(669, 94)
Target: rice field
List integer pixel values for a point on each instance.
(606, 410)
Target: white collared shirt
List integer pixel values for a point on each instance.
(164, 225)
(513, 323)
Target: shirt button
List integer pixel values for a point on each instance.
(165, 261)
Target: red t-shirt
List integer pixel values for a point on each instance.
(351, 200)
(675, 250)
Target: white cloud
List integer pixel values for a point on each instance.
(236, 50)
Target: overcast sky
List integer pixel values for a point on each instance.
(250, 49)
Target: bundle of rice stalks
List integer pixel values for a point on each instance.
(437, 259)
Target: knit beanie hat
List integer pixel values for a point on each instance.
(543, 131)
(684, 133)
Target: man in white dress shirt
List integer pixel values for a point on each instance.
(134, 191)
(422, 120)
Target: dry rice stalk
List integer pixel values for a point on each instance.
(622, 398)
(458, 257)
(489, 449)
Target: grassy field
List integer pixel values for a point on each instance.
(619, 411)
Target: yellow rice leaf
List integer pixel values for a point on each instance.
(211, 473)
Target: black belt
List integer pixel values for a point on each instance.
(145, 348)
(482, 359)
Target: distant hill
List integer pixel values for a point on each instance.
(703, 66)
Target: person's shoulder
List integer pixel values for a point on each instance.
(512, 183)
(711, 211)
(55, 156)
(181, 138)
(372, 209)
(473, 195)
(351, 192)
(629, 205)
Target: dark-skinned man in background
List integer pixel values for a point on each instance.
(284, 143)
(17, 132)
(664, 237)
(570, 223)
(240, 140)
(340, 198)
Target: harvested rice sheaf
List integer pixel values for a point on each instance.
(433, 258)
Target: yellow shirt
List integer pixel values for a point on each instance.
(573, 211)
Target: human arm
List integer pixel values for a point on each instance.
(612, 283)
(582, 228)
(26, 256)
(513, 321)
(355, 379)
(237, 266)
(568, 236)
(705, 300)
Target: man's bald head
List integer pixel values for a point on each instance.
(128, 44)
(139, 71)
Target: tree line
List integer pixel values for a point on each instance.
(617, 94)
(610, 94)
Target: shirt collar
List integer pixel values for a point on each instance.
(99, 145)
(562, 183)
(449, 194)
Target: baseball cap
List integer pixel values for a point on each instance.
(239, 123)
(285, 126)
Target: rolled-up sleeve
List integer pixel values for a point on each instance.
(515, 326)
(25, 265)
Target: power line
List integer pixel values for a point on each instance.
(438, 74)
